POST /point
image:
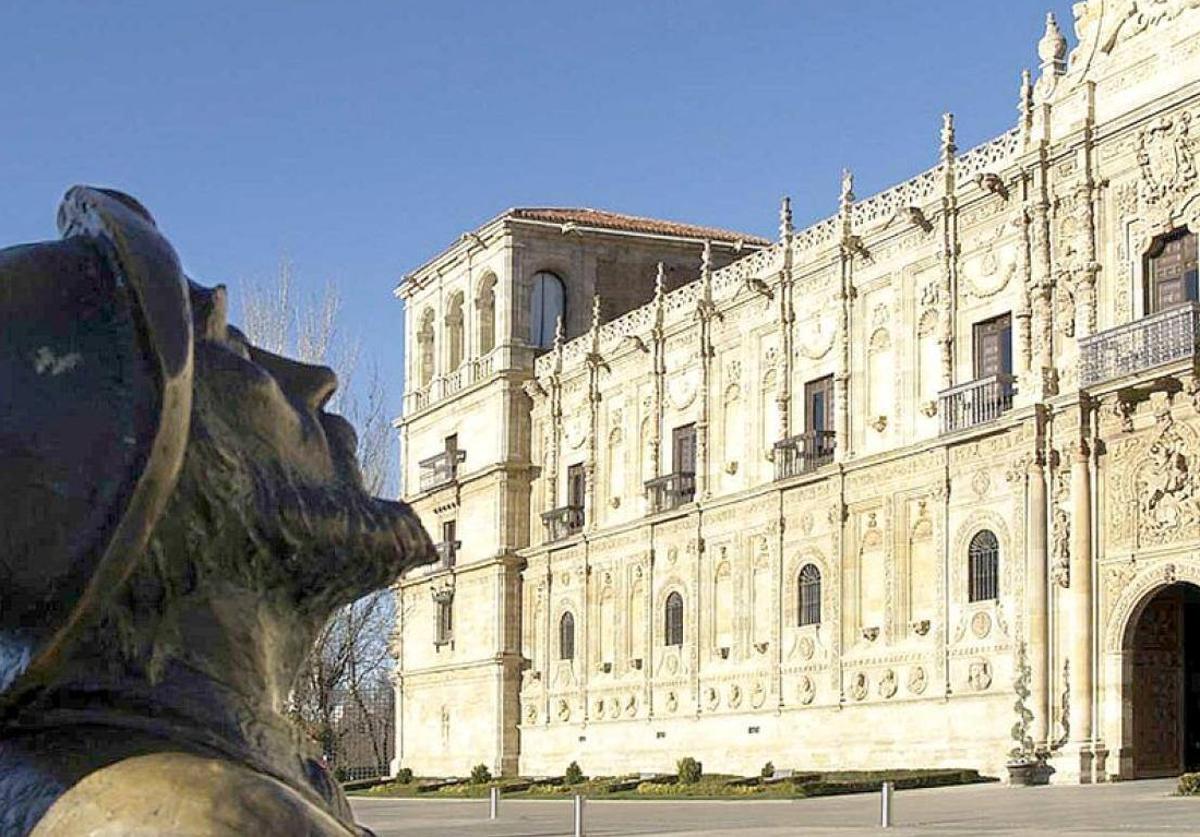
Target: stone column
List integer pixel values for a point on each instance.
(1037, 605)
(1080, 649)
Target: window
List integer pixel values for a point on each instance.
(984, 559)
(993, 347)
(809, 595)
(566, 637)
(818, 404)
(449, 545)
(1172, 270)
(485, 305)
(576, 485)
(683, 447)
(425, 356)
(674, 619)
(545, 307)
(454, 331)
(445, 619)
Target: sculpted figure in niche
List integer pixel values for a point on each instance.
(181, 516)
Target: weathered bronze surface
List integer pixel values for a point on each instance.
(178, 518)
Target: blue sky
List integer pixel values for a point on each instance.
(358, 139)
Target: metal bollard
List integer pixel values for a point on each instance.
(493, 803)
(578, 815)
(885, 805)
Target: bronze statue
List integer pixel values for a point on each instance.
(178, 518)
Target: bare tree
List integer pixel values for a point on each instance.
(343, 689)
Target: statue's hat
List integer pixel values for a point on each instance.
(95, 399)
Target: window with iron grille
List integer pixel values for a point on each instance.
(566, 637)
(984, 560)
(809, 608)
(674, 620)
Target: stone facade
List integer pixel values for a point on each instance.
(914, 486)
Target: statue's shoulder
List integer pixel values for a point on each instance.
(184, 794)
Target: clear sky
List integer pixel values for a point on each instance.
(358, 139)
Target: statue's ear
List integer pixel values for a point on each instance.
(95, 399)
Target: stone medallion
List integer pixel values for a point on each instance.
(887, 684)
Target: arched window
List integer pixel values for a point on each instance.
(545, 307)
(1171, 275)
(984, 566)
(566, 637)
(485, 305)
(809, 595)
(454, 330)
(674, 619)
(425, 356)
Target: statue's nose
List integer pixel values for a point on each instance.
(310, 384)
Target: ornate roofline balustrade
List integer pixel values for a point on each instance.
(803, 452)
(975, 402)
(563, 522)
(670, 491)
(1156, 340)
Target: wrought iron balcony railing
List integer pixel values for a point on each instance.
(441, 469)
(447, 554)
(562, 522)
(1162, 338)
(975, 402)
(803, 453)
(671, 491)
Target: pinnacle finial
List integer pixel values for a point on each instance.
(785, 218)
(558, 332)
(1052, 48)
(847, 197)
(947, 136)
(595, 311)
(706, 258)
(660, 281)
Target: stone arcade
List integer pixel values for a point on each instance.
(837, 499)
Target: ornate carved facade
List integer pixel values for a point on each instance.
(843, 498)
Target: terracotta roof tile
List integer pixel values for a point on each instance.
(629, 223)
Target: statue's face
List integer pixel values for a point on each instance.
(273, 480)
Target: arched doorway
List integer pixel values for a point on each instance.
(1164, 651)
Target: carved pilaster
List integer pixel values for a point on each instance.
(841, 375)
(950, 251)
(1081, 626)
(1038, 606)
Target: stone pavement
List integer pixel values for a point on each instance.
(1142, 808)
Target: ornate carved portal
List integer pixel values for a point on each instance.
(1165, 650)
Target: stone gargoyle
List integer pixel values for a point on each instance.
(179, 517)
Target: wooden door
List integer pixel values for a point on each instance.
(1158, 689)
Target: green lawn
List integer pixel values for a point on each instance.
(714, 786)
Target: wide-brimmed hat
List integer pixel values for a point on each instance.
(95, 400)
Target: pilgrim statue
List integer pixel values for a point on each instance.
(179, 517)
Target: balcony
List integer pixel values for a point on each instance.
(440, 470)
(1157, 340)
(806, 452)
(976, 402)
(563, 522)
(447, 552)
(671, 491)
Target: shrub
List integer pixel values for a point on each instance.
(404, 776)
(768, 770)
(1189, 784)
(574, 774)
(480, 774)
(690, 770)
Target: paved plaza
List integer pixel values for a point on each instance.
(1143, 808)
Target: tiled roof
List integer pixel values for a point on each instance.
(629, 223)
